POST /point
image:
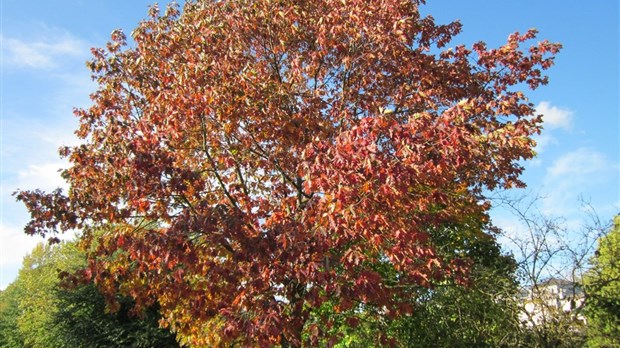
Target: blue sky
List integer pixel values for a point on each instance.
(45, 44)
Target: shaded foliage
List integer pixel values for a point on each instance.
(482, 314)
(36, 311)
(9, 312)
(83, 321)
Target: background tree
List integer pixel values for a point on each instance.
(37, 280)
(482, 313)
(602, 284)
(552, 259)
(37, 312)
(10, 336)
(82, 321)
(293, 154)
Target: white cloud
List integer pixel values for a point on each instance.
(33, 127)
(42, 53)
(543, 141)
(584, 172)
(579, 163)
(555, 117)
(15, 245)
(43, 176)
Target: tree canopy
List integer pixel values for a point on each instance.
(257, 160)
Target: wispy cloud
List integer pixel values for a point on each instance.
(555, 117)
(12, 237)
(584, 171)
(43, 176)
(578, 164)
(35, 124)
(543, 141)
(14, 245)
(42, 53)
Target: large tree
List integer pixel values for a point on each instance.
(288, 155)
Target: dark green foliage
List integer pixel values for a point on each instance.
(83, 322)
(455, 316)
(9, 311)
(36, 311)
(558, 333)
(483, 313)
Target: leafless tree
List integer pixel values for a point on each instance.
(553, 255)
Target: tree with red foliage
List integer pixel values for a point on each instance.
(250, 161)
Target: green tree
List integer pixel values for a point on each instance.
(28, 305)
(37, 303)
(36, 311)
(82, 320)
(10, 336)
(602, 285)
(482, 313)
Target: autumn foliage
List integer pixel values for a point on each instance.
(251, 161)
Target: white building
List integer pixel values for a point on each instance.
(551, 301)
